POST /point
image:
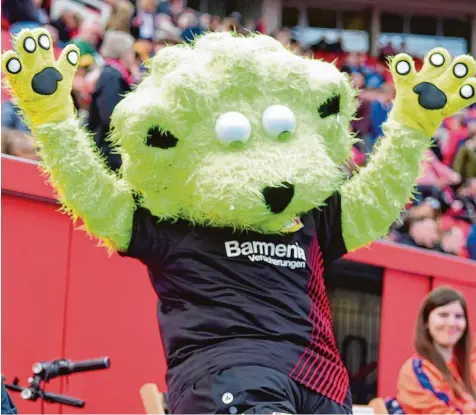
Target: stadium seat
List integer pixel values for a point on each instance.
(152, 399)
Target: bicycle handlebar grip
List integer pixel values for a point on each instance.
(65, 400)
(94, 364)
(13, 387)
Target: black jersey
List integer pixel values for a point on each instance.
(229, 298)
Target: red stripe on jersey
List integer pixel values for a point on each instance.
(320, 367)
(312, 258)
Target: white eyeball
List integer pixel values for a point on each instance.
(279, 121)
(233, 127)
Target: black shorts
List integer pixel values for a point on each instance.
(254, 390)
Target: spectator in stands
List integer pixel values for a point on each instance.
(215, 23)
(160, 44)
(250, 25)
(471, 247)
(16, 136)
(351, 64)
(320, 46)
(435, 177)
(84, 82)
(8, 407)
(422, 232)
(295, 47)
(379, 110)
(121, 15)
(146, 18)
(386, 51)
(375, 77)
(466, 194)
(11, 117)
(189, 26)
(453, 242)
(336, 47)
(283, 36)
(361, 124)
(116, 79)
(19, 144)
(22, 11)
(458, 131)
(67, 27)
(438, 378)
(465, 160)
(440, 137)
(166, 30)
(177, 7)
(89, 35)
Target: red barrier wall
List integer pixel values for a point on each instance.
(63, 296)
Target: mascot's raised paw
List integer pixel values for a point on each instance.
(443, 87)
(40, 85)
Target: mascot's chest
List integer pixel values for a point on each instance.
(217, 250)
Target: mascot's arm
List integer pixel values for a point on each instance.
(42, 89)
(373, 198)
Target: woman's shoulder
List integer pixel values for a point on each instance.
(420, 368)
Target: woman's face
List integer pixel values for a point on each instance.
(447, 324)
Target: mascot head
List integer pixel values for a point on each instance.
(235, 131)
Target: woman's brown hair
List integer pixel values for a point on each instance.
(424, 343)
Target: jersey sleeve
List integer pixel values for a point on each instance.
(148, 240)
(423, 390)
(329, 229)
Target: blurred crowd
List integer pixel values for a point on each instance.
(442, 215)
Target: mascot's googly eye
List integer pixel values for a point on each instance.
(279, 122)
(13, 66)
(403, 68)
(233, 128)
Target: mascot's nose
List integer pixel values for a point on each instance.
(278, 198)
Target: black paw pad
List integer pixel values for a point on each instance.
(430, 97)
(46, 81)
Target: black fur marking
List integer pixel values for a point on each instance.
(160, 139)
(278, 198)
(330, 107)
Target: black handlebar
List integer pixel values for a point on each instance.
(94, 364)
(45, 371)
(65, 400)
(63, 367)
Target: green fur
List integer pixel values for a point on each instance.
(373, 199)
(84, 186)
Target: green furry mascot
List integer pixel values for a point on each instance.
(232, 193)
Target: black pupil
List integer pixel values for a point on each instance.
(160, 138)
(330, 107)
